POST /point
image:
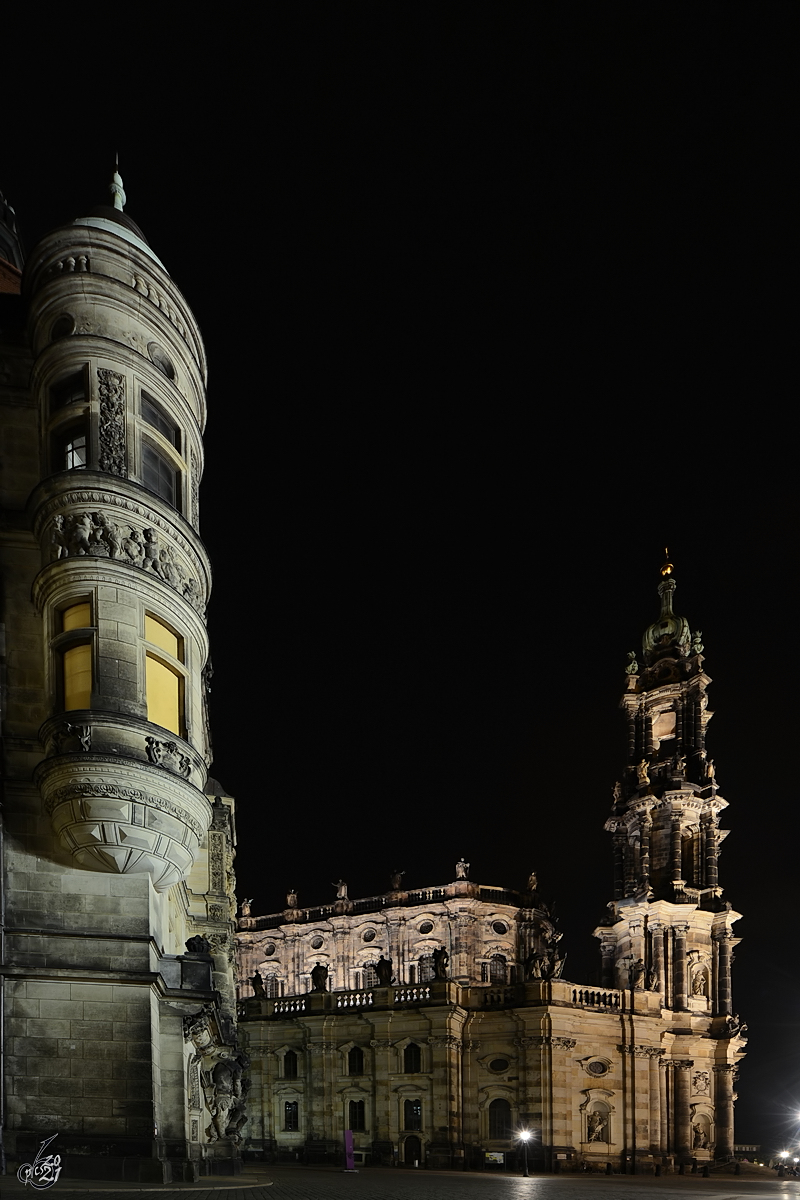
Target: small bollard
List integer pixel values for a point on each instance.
(706, 1171)
(658, 1169)
(609, 1169)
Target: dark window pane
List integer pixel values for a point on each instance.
(499, 1119)
(158, 475)
(290, 1065)
(412, 1059)
(291, 1116)
(155, 417)
(412, 1118)
(357, 1120)
(355, 1061)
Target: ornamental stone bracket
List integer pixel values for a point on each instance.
(123, 817)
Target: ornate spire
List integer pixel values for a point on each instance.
(116, 188)
(668, 636)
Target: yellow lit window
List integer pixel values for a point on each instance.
(159, 635)
(77, 617)
(163, 681)
(78, 676)
(163, 695)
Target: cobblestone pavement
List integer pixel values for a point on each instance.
(297, 1183)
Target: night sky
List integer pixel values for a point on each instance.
(497, 305)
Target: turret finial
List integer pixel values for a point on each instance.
(116, 188)
(667, 568)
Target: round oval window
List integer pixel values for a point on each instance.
(426, 927)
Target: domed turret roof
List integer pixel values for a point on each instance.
(112, 218)
(669, 636)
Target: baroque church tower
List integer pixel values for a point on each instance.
(117, 847)
(669, 930)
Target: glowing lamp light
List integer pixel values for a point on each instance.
(526, 1133)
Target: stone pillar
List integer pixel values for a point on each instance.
(383, 1067)
(676, 864)
(654, 1088)
(723, 999)
(712, 854)
(679, 1000)
(665, 1143)
(607, 949)
(683, 1127)
(645, 825)
(446, 1149)
(723, 1110)
(657, 954)
(619, 865)
(470, 1074)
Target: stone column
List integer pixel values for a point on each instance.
(723, 999)
(562, 1092)
(663, 1068)
(654, 1082)
(711, 852)
(683, 1128)
(645, 825)
(607, 947)
(383, 1066)
(723, 1110)
(470, 1074)
(445, 1051)
(657, 954)
(679, 1001)
(676, 865)
(619, 865)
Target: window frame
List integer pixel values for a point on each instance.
(64, 640)
(175, 665)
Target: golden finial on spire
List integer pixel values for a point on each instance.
(667, 568)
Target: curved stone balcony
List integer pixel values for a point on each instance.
(119, 815)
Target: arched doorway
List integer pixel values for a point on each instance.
(412, 1151)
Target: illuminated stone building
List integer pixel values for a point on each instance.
(117, 848)
(356, 1019)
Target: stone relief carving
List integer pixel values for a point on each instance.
(223, 1067)
(701, 1082)
(216, 862)
(96, 535)
(71, 739)
(218, 912)
(167, 755)
(111, 390)
(194, 489)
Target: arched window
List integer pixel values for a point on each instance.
(499, 1119)
(356, 1116)
(271, 986)
(427, 971)
(412, 1063)
(497, 969)
(291, 1116)
(290, 1065)
(412, 1114)
(355, 1063)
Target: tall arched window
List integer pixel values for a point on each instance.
(355, 1061)
(357, 1116)
(412, 1061)
(290, 1065)
(426, 968)
(499, 1119)
(497, 969)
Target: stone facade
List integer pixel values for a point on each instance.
(435, 1024)
(117, 847)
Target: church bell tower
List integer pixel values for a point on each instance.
(669, 929)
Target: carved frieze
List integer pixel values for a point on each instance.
(111, 391)
(94, 534)
(70, 739)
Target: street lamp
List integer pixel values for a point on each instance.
(525, 1136)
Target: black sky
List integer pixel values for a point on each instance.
(496, 305)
